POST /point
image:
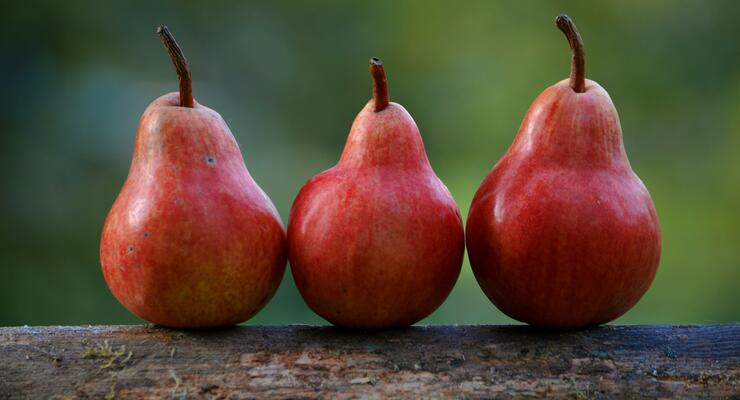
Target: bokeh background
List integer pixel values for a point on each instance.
(290, 76)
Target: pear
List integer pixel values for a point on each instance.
(561, 233)
(377, 240)
(191, 241)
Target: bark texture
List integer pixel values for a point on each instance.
(427, 362)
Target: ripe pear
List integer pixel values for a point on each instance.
(376, 241)
(191, 240)
(561, 233)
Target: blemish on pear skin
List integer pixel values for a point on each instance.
(211, 160)
(130, 248)
(146, 234)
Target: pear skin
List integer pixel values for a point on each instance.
(191, 241)
(562, 233)
(376, 241)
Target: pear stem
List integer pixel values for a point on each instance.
(578, 65)
(181, 65)
(380, 84)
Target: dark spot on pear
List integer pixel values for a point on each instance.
(146, 234)
(211, 160)
(130, 249)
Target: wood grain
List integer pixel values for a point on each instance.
(311, 362)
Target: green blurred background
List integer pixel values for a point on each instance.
(290, 76)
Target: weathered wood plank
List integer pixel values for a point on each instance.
(308, 362)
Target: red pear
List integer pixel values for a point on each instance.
(191, 240)
(376, 241)
(562, 233)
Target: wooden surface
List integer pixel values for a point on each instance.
(308, 362)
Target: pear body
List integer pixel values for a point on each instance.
(376, 241)
(562, 233)
(191, 241)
